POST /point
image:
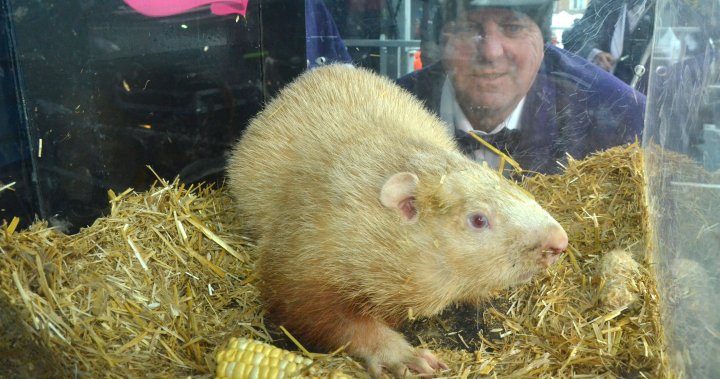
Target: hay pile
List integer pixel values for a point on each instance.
(148, 291)
(155, 287)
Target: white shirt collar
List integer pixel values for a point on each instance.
(455, 118)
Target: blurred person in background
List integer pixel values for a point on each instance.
(615, 35)
(618, 36)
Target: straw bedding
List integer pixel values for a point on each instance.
(161, 282)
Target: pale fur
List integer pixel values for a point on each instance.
(307, 175)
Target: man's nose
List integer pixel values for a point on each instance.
(489, 45)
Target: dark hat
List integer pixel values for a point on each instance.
(539, 11)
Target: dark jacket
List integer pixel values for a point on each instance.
(573, 107)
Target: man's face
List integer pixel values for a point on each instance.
(493, 55)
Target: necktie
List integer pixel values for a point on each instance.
(505, 140)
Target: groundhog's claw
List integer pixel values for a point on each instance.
(424, 363)
(421, 362)
(432, 360)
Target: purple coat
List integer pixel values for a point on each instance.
(573, 107)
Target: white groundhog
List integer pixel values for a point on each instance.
(365, 210)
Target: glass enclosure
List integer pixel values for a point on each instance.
(684, 189)
(94, 92)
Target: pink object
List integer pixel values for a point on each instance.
(160, 8)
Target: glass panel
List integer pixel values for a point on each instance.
(682, 144)
(108, 89)
(17, 193)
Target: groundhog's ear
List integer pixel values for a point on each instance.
(398, 192)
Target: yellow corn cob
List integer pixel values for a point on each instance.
(249, 359)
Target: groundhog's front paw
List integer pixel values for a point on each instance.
(407, 361)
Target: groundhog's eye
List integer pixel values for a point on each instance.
(478, 221)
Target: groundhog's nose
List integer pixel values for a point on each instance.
(557, 240)
(556, 243)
